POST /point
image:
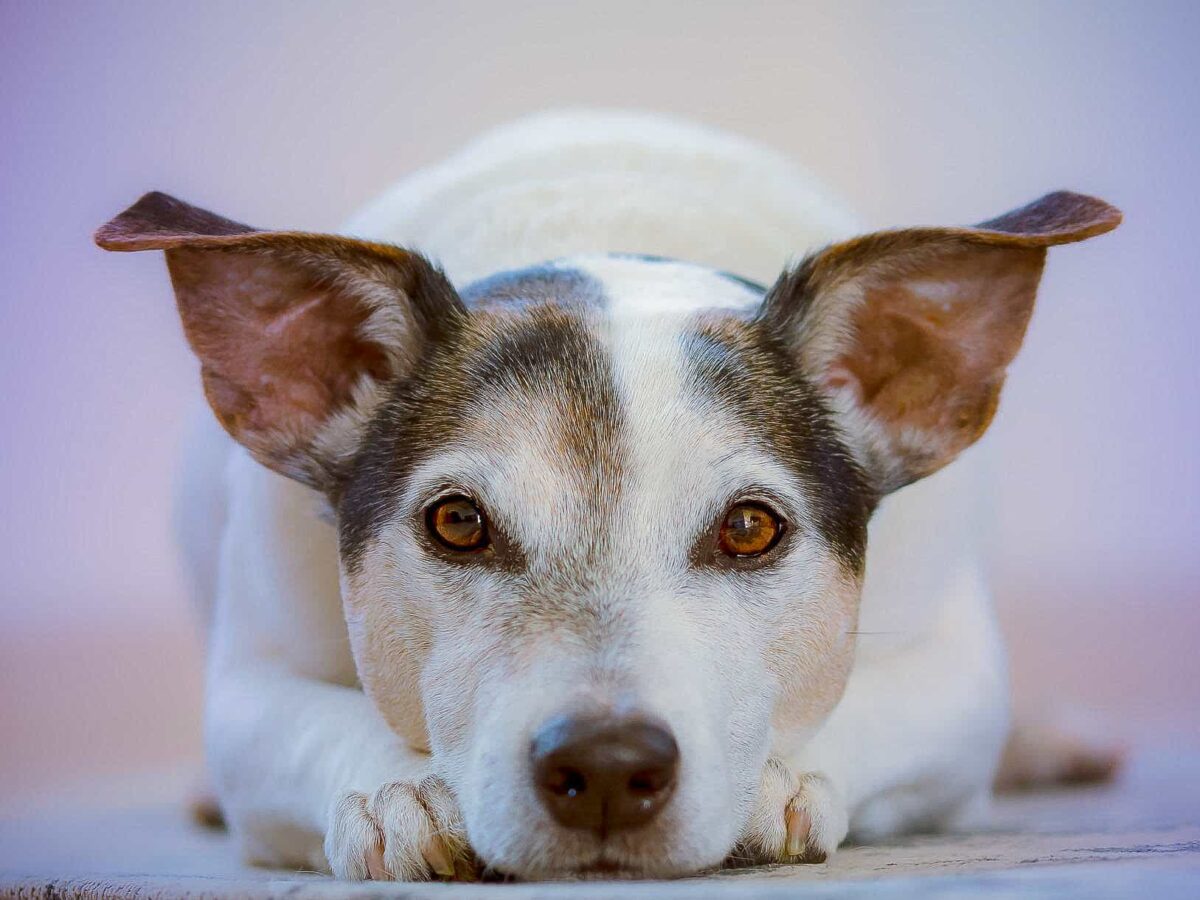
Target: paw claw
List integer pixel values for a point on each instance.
(799, 824)
(437, 857)
(376, 870)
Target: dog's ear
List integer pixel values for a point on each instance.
(297, 334)
(908, 333)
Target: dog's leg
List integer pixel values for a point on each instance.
(913, 744)
(295, 749)
(310, 776)
(916, 739)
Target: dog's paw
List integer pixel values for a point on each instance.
(405, 831)
(797, 819)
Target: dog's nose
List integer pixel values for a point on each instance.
(604, 774)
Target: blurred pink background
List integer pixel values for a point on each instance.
(294, 113)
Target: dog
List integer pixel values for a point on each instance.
(553, 562)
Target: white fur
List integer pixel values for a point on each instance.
(914, 740)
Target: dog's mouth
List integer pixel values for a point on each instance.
(610, 865)
(604, 868)
(601, 867)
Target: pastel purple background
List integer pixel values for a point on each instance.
(295, 113)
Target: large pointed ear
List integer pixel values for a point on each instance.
(908, 333)
(297, 334)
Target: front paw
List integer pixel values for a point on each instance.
(796, 819)
(405, 831)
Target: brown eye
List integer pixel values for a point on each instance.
(457, 523)
(749, 530)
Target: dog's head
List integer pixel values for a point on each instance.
(603, 521)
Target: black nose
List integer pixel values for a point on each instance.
(602, 773)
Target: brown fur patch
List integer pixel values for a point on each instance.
(918, 325)
(288, 326)
(931, 370)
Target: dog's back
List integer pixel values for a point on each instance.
(567, 183)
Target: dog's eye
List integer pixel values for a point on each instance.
(457, 523)
(749, 529)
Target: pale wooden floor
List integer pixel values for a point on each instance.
(1138, 837)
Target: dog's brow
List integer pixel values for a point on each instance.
(451, 470)
(746, 470)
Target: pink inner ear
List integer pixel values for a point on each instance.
(281, 353)
(930, 347)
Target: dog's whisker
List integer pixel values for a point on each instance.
(876, 632)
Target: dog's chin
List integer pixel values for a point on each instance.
(605, 869)
(689, 836)
(606, 865)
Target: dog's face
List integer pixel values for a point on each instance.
(603, 522)
(607, 496)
